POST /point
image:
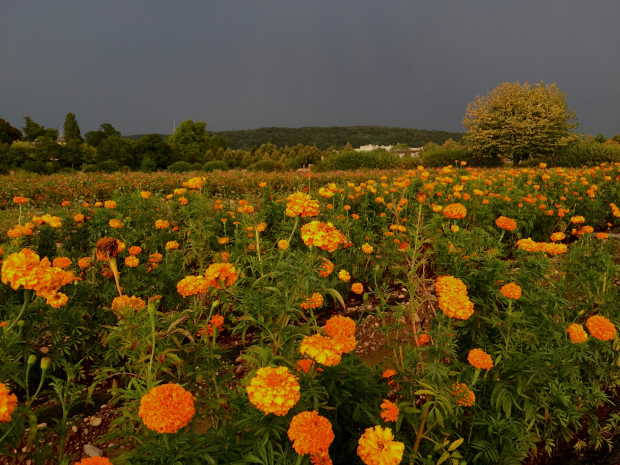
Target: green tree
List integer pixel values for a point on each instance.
(616, 137)
(33, 130)
(157, 149)
(48, 150)
(8, 133)
(518, 122)
(95, 138)
(72, 129)
(192, 141)
(120, 150)
(600, 138)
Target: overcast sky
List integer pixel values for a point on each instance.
(248, 64)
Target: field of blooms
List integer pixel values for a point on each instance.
(453, 315)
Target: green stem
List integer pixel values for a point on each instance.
(27, 297)
(293, 231)
(420, 432)
(7, 433)
(152, 318)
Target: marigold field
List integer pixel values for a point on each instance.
(454, 315)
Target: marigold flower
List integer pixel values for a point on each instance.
(358, 288)
(464, 397)
(455, 211)
(449, 285)
(576, 333)
(98, 204)
(577, 220)
(320, 459)
(56, 299)
(512, 291)
(558, 236)
(340, 326)
(388, 373)
(85, 262)
(132, 261)
(172, 245)
(262, 184)
(480, 359)
(145, 195)
(94, 461)
(344, 275)
(367, 248)
(109, 204)
(78, 218)
(602, 235)
(20, 200)
(183, 200)
(456, 306)
(454, 228)
(390, 411)
(135, 250)
(506, 223)
(313, 302)
(62, 262)
(155, 257)
(217, 321)
(300, 204)
(8, 403)
(377, 447)
(322, 235)
(120, 305)
(166, 408)
(223, 240)
(423, 339)
(107, 247)
(116, 224)
(306, 364)
(162, 224)
(273, 390)
(601, 328)
(321, 349)
(66, 203)
(326, 268)
(311, 433)
(192, 285)
(283, 244)
(219, 273)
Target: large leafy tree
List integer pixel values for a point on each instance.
(34, 130)
(193, 141)
(120, 150)
(519, 121)
(95, 138)
(8, 133)
(72, 128)
(157, 149)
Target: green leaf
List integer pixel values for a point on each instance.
(445, 456)
(455, 444)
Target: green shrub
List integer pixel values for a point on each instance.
(197, 166)
(346, 161)
(108, 166)
(90, 168)
(180, 167)
(148, 165)
(215, 165)
(292, 164)
(582, 154)
(267, 166)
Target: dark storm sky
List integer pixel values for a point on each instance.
(248, 64)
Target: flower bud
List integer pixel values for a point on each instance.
(46, 362)
(32, 360)
(21, 323)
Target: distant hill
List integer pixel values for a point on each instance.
(335, 136)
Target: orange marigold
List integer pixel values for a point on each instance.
(135, 250)
(388, 373)
(344, 275)
(367, 248)
(8, 403)
(78, 218)
(322, 235)
(192, 285)
(166, 408)
(456, 306)
(273, 390)
(321, 349)
(94, 461)
(306, 364)
(320, 459)
(577, 220)
(311, 433)
(455, 211)
(20, 199)
(450, 285)
(283, 244)
(506, 223)
(62, 262)
(109, 204)
(56, 299)
(480, 359)
(26, 269)
(390, 411)
(172, 245)
(116, 224)
(358, 288)
(120, 305)
(423, 339)
(576, 333)
(601, 328)
(300, 204)
(162, 224)
(132, 261)
(145, 195)
(340, 326)
(377, 447)
(464, 397)
(85, 262)
(326, 268)
(313, 302)
(512, 291)
(219, 273)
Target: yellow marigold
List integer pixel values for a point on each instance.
(166, 408)
(219, 273)
(109, 204)
(273, 390)
(135, 250)
(132, 261)
(464, 397)
(311, 433)
(94, 461)
(454, 228)
(25, 269)
(313, 302)
(390, 411)
(321, 349)
(558, 236)
(576, 333)
(577, 220)
(512, 291)
(601, 328)
(8, 403)
(322, 235)
(262, 184)
(223, 240)
(121, 305)
(98, 204)
(377, 447)
(450, 285)
(195, 183)
(455, 211)
(56, 299)
(116, 224)
(62, 262)
(367, 248)
(456, 306)
(283, 244)
(20, 200)
(506, 223)
(260, 227)
(85, 262)
(162, 224)
(78, 218)
(326, 268)
(192, 285)
(340, 326)
(326, 193)
(344, 275)
(172, 245)
(480, 359)
(358, 288)
(300, 204)
(145, 195)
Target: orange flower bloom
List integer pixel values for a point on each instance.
(121, 305)
(423, 339)
(166, 408)
(78, 218)
(283, 244)
(577, 220)
(465, 397)
(455, 211)
(94, 461)
(558, 236)
(506, 223)
(62, 262)
(273, 390)
(132, 261)
(219, 273)
(145, 195)
(313, 302)
(389, 373)
(192, 285)
(56, 299)
(322, 235)
(172, 245)
(344, 275)
(162, 224)
(340, 326)
(85, 262)
(20, 200)
(326, 268)
(367, 248)
(321, 349)
(480, 359)
(8, 404)
(109, 204)
(601, 328)
(135, 250)
(223, 240)
(311, 433)
(456, 306)
(300, 204)
(601, 235)
(306, 364)
(512, 291)
(320, 459)
(390, 411)
(358, 288)
(377, 447)
(577, 334)
(450, 285)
